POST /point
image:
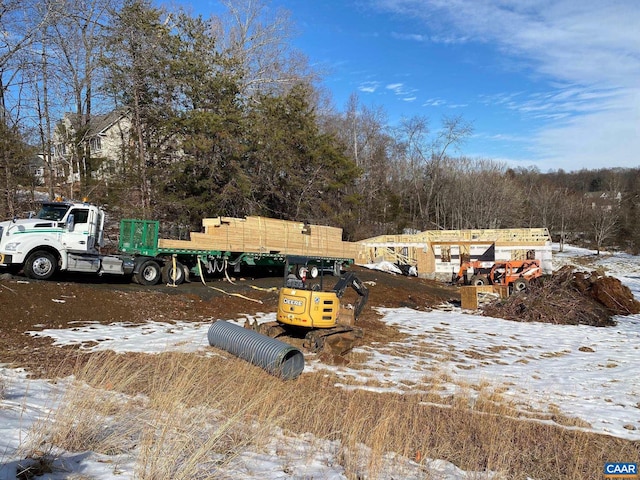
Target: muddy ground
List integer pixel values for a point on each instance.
(28, 305)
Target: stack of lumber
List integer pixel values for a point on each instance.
(255, 234)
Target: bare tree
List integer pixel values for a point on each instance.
(257, 40)
(426, 155)
(20, 23)
(41, 89)
(78, 38)
(368, 143)
(476, 193)
(603, 223)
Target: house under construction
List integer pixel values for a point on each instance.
(438, 253)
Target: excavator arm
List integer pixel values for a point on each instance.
(351, 280)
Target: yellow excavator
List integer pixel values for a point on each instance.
(304, 305)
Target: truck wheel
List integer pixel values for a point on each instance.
(167, 273)
(520, 285)
(149, 273)
(40, 265)
(479, 280)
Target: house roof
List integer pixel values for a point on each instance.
(99, 123)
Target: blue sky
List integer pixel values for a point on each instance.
(553, 84)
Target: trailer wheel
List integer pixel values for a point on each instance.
(40, 265)
(149, 273)
(168, 273)
(187, 274)
(479, 280)
(314, 272)
(520, 285)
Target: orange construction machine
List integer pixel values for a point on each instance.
(513, 273)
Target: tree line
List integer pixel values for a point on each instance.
(227, 118)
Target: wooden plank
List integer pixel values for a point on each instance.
(469, 294)
(469, 297)
(425, 260)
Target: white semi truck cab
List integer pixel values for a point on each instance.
(64, 235)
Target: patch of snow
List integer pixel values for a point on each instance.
(589, 373)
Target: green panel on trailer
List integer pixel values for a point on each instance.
(139, 236)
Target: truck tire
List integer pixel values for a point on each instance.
(149, 273)
(479, 280)
(40, 265)
(520, 285)
(167, 273)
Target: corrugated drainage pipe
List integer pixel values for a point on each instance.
(276, 357)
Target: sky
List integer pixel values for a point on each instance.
(583, 372)
(552, 84)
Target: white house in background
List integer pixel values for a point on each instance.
(603, 200)
(37, 169)
(108, 137)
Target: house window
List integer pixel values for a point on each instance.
(96, 144)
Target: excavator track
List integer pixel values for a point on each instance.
(338, 340)
(269, 329)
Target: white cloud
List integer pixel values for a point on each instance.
(434, 102)
(589, 51)
(609, 137)
(405, 94)
(416, 37)
(368, 87)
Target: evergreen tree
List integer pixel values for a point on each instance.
(297, 171)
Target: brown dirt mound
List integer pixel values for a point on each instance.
(569, 298)
(29, 305)
(609, 291)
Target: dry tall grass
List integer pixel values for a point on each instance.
(186, 414)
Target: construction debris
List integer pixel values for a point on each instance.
(569, 298)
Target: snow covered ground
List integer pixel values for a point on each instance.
(584, 372)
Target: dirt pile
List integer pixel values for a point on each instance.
(570, 298)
